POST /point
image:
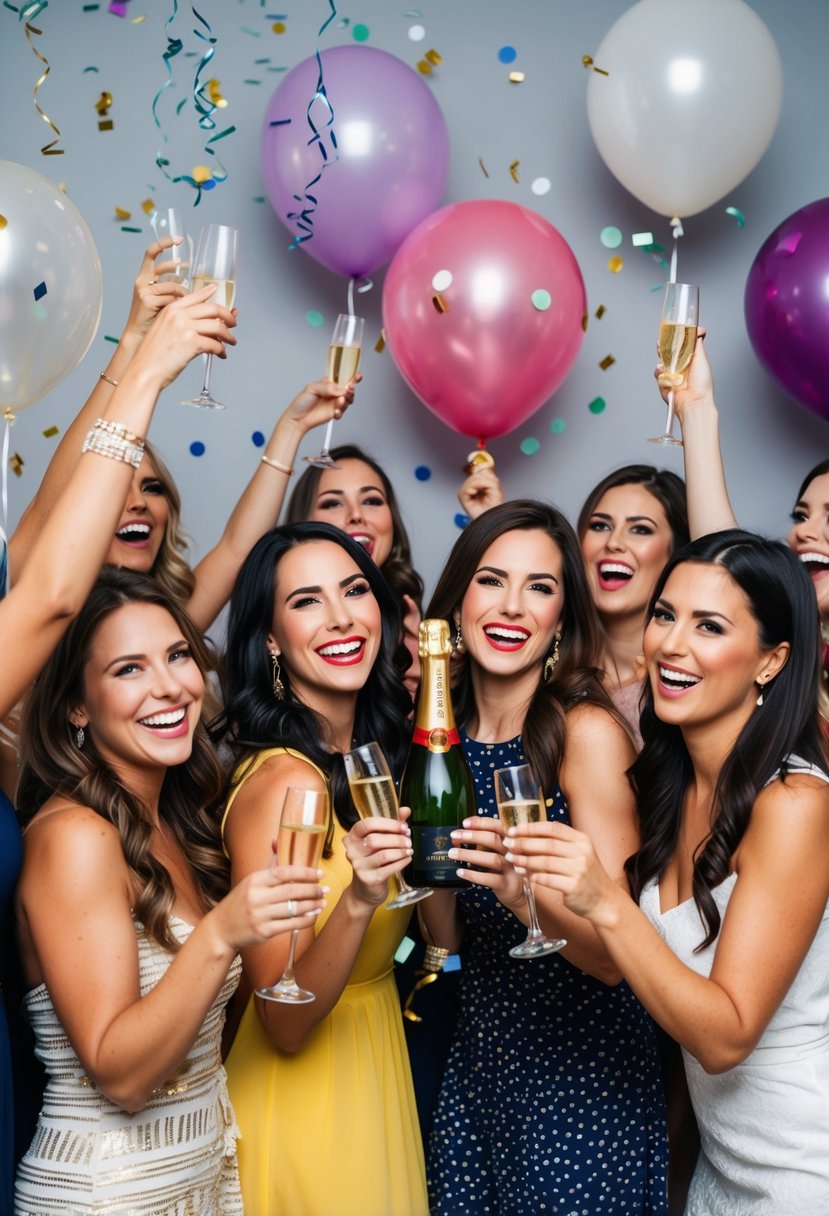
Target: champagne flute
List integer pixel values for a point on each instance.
(677, 339)
(170, 222)
(301, 835)
(373, 793)
(343, 361)
(215, 262)
(519, 801)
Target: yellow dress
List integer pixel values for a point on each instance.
(332, 1130)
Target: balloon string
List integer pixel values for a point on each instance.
(676, 232)
(27, 13)
(362, 285)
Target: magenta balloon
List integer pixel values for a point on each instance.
(389, 168)
(787, 306)
(494, 356)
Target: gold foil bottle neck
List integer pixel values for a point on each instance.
(433, 639)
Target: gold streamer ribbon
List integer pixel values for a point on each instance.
(26, 13)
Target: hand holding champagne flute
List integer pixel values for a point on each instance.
(301, 835)
(214, 262)
(373, 793)
(343, 364)
(519, 801)
(677, 339)
(169, 222)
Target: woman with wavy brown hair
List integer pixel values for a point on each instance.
(127, 929)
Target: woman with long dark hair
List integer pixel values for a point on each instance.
(128, 932)
(323, 1090)
(552, 1097)
(729, 946)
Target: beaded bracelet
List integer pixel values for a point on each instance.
(278, 465)
(113, 440)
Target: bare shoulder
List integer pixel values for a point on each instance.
(260, 793)
(71, 828)
(593, 725)
(70, 850)
(789, 821)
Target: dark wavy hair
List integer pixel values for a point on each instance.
(666, 487)
(782, 601)
(170, 568)
(397, 568)
(577, 676)
(818, 471)
(53, 764)
(254, 719)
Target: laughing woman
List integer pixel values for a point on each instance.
(728, 947)
(323, 1091)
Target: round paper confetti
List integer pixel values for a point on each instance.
(507, 54)
(416, 33)
(257, 439)
(197, 448)
(541, 299)
(611, 237)
(541, 185)
(598, 405)
(441, 280)
(614, 265)
(360, 33)
(558, 425)
(461, 520)
(314, 318)
(278, 27)
(423, 472)
(201, 174)
(529, 446)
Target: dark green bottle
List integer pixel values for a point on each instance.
(437, 783)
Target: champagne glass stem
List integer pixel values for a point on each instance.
(208, 367)
(669, 422)
(288, 974)
(326, 443)
(535, 928)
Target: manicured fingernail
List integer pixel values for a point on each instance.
(453, 854)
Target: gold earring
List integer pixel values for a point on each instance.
(278, 686)
(552, 659)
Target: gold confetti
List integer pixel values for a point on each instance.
(587, 60)
(424, 68)
(584, 321)
(606, 362)
(483, 166)
(614, 265)
(51, 431)
(138, 20)
(214, 89)
(103, 103)
(513, 170)
(16, 463)
(279, 27)
(434, 58)
(600, 311)
(380, 344)
(106, 124)
(148, 206)
(516, 77)
(439, 303)
(201, 173)
(121, 213)
(3, 222)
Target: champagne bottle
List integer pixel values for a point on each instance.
(437, 783)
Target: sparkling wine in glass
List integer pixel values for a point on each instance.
(170, 222)
(301, 835)
(519, 801)
(677, 339)
(214, 262)
(373, 793)
(343, 362)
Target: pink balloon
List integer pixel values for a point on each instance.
(386, 156)
(514, 315)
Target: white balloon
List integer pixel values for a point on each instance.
(44, 243)
(690, 102)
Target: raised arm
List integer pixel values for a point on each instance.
(78, 936)
(149, 297)
(709, 507)
(325, 956)
(776, 907)
(73, 539)
(258, 509)
(480, 490)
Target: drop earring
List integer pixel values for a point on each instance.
(552, 659)
(79, 738)
(457, 640)
(762, 695)
(278, 686)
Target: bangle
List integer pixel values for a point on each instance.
(113, 440)
(278, 465)
(117, 428)
(109, 380)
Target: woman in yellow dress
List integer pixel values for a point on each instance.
(322, 1091)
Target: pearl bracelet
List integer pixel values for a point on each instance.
(112, 439)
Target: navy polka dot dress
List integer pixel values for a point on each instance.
(552, 1099)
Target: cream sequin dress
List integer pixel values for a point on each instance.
(177, 1157)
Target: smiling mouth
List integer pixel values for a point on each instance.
(613, 575)
(363, 538)
(506, 637)
(816, 563)
(133, 534)
(167, 720)
(677, 681)
(348, 651)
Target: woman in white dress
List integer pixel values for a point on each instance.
(127, 931)
(729, 946)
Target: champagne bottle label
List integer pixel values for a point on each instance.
(431, 856)
(438, 739)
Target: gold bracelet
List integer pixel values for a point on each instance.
(110, 380)
(278, 465)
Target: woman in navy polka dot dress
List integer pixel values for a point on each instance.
(552, 1100)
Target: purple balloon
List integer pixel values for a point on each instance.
(385, 169)
(787, 306)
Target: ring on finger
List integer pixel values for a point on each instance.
(291, 908)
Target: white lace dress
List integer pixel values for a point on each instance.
(177, 1157)
(764, 1125)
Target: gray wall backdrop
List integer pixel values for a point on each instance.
(769, 441)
